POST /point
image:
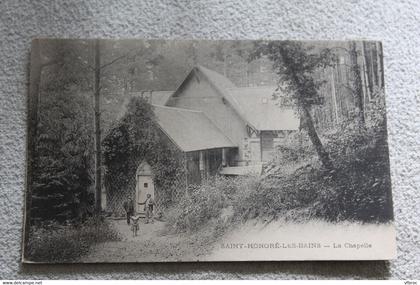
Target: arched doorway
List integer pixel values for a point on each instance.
(144, 185)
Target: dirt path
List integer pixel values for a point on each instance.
(151, 244)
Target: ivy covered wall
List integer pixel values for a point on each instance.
(135, 138)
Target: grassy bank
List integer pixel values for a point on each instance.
(356, 190)
(66, 243)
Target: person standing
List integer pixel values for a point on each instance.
(129, 209)
(148, 208)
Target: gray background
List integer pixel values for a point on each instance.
(396, 23)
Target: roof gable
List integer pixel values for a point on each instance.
(216, 78)
(255, 105)
(190, 130)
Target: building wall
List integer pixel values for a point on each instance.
(251, 150)
(211, 162)
(198, 94)
(263, 147)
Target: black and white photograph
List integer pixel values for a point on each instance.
(206, 150)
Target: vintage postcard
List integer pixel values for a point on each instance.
(194, 150)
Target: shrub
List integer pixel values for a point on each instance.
(295, 148)
(360, 188)
(209, 204)
(357, 189)
(201, 204)
(272, 197)
(52, 242)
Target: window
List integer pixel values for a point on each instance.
(267, 141)
(145, 185)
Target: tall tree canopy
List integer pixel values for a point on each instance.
(61, 123)
(295, 63)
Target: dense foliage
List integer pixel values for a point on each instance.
(357, 189)
(63, 159)
(211, 206)
(61, 138)
(53, 242)
(295, 64)
(361, 185)
(135, 138)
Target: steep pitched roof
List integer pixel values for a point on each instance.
(257, 106)
(216, 78)
(190, 130)
(253, 104)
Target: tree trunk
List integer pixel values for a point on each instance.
(334, 96)
(373, 65)
(97, 129)
(313, 135)
(358, 86)
(369, 73)
(380, 64)
(365, 79)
